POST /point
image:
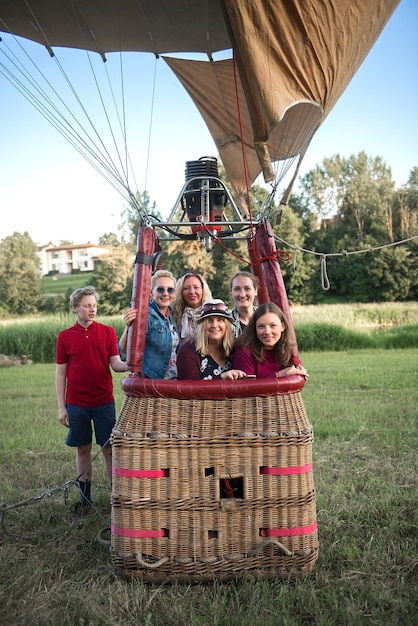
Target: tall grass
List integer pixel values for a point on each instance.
(362, 404)
(36, 337)
(358, 315)
(320, 328)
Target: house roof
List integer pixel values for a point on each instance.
(71, 246)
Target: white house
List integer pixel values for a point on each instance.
(66, 258)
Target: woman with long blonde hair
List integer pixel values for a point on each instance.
(209, 354)
(192, 291)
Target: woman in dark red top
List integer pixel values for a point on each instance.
(208, 354)
(263, 349)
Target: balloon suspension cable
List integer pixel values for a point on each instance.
(241, 132)
(105, 158)
(122, 180)
(145, 218)
(257, 257)
(150, 124)
(268, 202)
(46, 99)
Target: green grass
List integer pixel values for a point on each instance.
(56, 286)
(362, 404)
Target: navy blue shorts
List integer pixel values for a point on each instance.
(81, 418)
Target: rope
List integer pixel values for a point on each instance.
(244, 162)
(270, 542)
(211, 560)
(104, 542)
(4, 508)
(278, 255)
(324, 275)
(324, 256)
(143, 563)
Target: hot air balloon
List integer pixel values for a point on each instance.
(174, 441)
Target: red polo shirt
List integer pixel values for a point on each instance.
(87, 352)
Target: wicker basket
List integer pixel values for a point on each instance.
(178, 460)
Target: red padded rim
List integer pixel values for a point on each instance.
(210, 389)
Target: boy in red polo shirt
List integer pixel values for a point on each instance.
(84, 386)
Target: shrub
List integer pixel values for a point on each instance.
(37, 338)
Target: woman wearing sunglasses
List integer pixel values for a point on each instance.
(192, 291)
(160, 358)
(209, 354)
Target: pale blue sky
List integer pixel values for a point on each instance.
(48, 189)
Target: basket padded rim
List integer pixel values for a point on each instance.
(218, 389)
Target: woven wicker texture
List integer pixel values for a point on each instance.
(176, 464)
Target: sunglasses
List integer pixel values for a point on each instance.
(169, 290)
(215, 306)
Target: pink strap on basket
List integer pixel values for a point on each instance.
(296, 469)
(133, 473)
(288, 532)
(144, 534)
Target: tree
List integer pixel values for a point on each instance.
(110, 240)
(322, 187)
(355, 194)
(390, 276)
(20, 281)
(407, 204)
(299, 270)
(359, 210)
(368, 199)
(113, 279)
(227, 260)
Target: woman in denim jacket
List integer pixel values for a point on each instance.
(160, 354)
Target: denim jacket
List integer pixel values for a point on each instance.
(159, 342)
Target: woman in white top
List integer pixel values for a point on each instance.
(192, 291)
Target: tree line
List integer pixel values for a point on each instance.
(350, 234)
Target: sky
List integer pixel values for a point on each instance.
(49, 190)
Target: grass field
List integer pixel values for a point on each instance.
(363, 407)
(59, 285)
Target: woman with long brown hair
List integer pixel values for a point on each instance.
(263, 349)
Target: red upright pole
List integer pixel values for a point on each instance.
(271, 274)
(141, 293)
(254, 254)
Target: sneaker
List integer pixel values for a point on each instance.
(78, 508)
